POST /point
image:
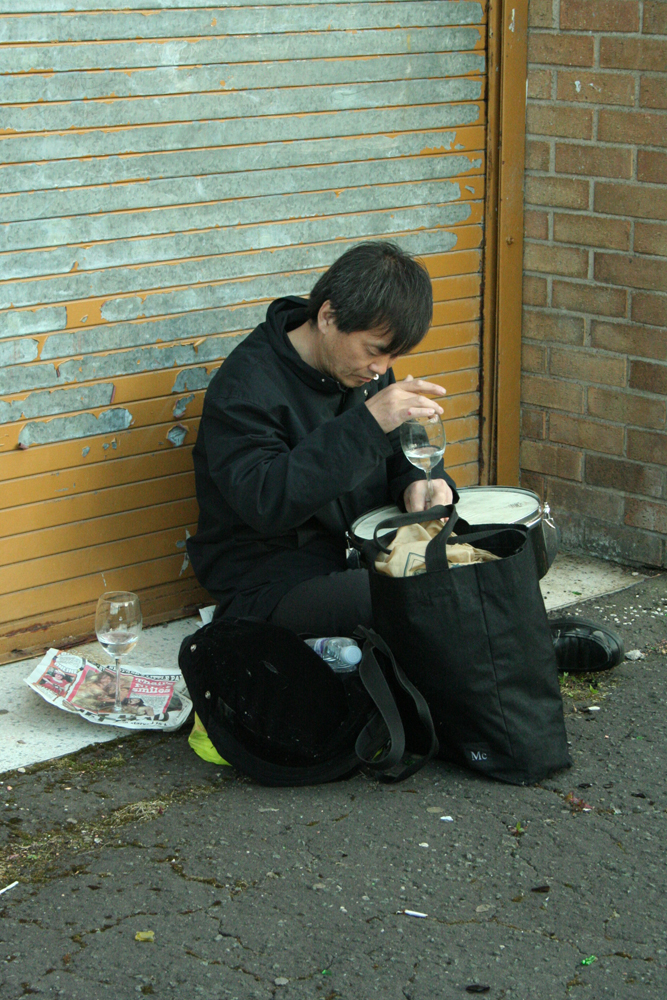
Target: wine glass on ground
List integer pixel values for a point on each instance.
(118, 627)
(423, 441)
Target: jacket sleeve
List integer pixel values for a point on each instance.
(273, 487)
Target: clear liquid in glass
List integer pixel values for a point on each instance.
(118, 642)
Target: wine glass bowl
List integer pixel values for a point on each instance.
(423, 440)
(118, 627)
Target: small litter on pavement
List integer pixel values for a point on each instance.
(589, 960)
(8, 887)
(413, 913)
(447, 819)
(145, 936)
(635, 654)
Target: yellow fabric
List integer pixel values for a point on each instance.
(202, 746)
(408, 551)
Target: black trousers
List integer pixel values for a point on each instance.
(327, 605)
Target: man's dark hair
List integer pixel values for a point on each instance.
(376, 285)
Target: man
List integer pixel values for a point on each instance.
(299, 437)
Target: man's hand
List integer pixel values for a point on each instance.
(398, 402)
(414, 495)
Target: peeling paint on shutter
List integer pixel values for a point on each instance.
(168, 169)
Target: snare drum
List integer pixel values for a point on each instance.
(483, 505)
(512, 505)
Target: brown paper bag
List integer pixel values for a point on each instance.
(408, 551)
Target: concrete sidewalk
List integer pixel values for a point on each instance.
(302, 894)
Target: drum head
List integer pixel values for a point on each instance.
(498, 505)
(364, 527)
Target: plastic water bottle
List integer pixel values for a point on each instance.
(340, 653)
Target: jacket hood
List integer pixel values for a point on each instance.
(282, 316)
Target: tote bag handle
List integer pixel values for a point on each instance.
(436, 550)
(416, 517)
(373, 679)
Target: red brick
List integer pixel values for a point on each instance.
(539, 83)
(651, 166)
(655, 17)
(601, 505)
(634, 272)
(589, 299)
(537, 155)
(651, 309)
(534, 290)
(633, 53)
(559, 192)
(540, 14)
(592, 231)
(584, 433)
(596, 88)
(587, 366)
(603, 161)
(569, 261)
(618, 474)
(559, 120)
(599, 15)
(639, 200)
(626, 408)
(533, 423)
(560, 50)
(566, 463)
(648, 377)
(530, 481)
(645, 128)
(536, 225)
(651, 238)
(533, 358)
(628, 338)
(652, 91)
(549, 392)
(554, 327)
(642, 514)
(645, 446)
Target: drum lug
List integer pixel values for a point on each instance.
(550, 535)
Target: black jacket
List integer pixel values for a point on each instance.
(286, 459)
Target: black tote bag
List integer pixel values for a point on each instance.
(279, 714)
(475, 640)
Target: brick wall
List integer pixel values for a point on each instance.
(594, 381)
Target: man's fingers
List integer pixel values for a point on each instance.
(419, 385)
(422, 406)
(420, 411)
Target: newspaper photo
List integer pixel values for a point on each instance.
(149, 699)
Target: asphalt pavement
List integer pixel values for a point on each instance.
(249, 893)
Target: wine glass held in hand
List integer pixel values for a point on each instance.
(118, 627)
(423, 441)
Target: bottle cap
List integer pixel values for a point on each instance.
(350, 654)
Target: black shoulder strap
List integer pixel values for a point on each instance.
(374, 681)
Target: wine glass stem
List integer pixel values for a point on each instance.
(117, 705)
(429, 489)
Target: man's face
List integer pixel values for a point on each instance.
(354, 359)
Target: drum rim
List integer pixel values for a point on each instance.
(385, 506)
(529, 520)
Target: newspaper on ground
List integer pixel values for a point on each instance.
(150, 699)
